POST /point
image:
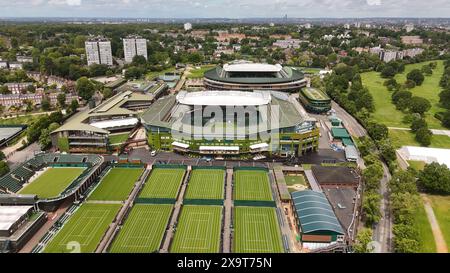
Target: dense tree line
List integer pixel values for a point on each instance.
(444, 95)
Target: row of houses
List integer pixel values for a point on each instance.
(9, 100)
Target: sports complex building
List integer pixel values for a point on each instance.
(315, 100)
(93, 130)
(248, 76)
(270, 123)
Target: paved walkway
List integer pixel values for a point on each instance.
(434, 131)
(441, 245)
(228, 203)
(312, 181)
(173, 220)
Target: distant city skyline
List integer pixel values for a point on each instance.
(225, 8)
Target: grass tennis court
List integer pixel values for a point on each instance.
(116, 185)
(52, 182)
(84, 230)
(206, 184)
(143, 230)
(163, 183)
(198, 230)
(256, 230)
(252, 185)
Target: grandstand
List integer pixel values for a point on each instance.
(248, 76)
(15, 180)
(89, 130)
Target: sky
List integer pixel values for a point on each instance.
(225, 8)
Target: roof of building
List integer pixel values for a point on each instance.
(342, 200)
(351, 152)
(315, 94)
(335, 175)
(9, 215)
(224, 98)
(315, 212)
(338, 132)
(252, 67)
(169, 109)
(111, 107)
(283, 74)
(428, 155)
(7, 132)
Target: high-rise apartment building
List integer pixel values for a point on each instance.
(134, 45)
(98, 51)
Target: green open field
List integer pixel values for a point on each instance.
(118, 139)
(426, 237)
(153, 74)
(385, 111)
(256, 230)
(295, 179)
(416, 164)
(143, 230)
(116, 185)
(198, 73)
(163, 183)
(401, 138)
(84, 230)
(52, 182)
(198, 230)
(206, 184)
(441, 208)
(252, 185)
(16, 120)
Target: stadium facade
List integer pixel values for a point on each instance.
(230, 123)
(315, 100)
(248, 76)
(90, 130)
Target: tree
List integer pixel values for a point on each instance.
(85, 88)
(418, 123)
(446, 119)
(139, 60)
(96, 70)
(371, 208)
(403, 181)
(416, 76)
(2, 155)
(4, 168)
(426, 69)
(435, 178)
(419, 105)
(45, 104)
(402, 99)
(61, 98)
(45, 139)
(388, 72)
(372, 176)
(363, 239)
(377, 131)
(406, 245)
(134, 72)
(73, 106)
(4, 90)
(423, 136)
(444, 98)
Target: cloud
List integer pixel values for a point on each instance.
(373, 2)
(65, 2)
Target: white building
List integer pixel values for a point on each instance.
(409, 27)
(134, 45)
(15, 65)
(427, 155)
(98, 51)
(187, 26)
(24, 59)
(3, 64)
(288, 43)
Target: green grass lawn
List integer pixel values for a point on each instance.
(116, 185)
(206, 184)
(163, 183)
(118, 139)
(256, 230)
(143, 230)
(252, 185)
(84, 230)
(385, 111)
(401, 138)
(52, 182)
(295, 179)
(426, 237)
(441, 208)
(416, 165)
(429, 89)
(198, 73)
(153, 74)
(198, 230)
(29, 119)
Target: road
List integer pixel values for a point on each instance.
(350, 122)
(434, 131)
(383, 229)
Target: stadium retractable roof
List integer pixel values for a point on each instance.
(224, 98)
(252, 67)
(315, 212)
